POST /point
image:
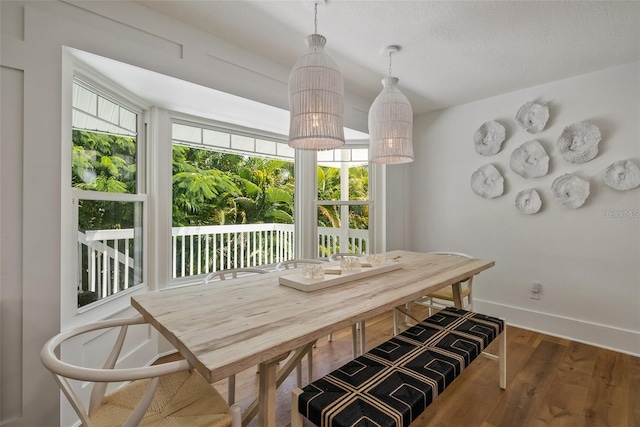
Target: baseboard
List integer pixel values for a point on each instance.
(608, 337)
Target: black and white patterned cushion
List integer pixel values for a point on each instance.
(392, 384)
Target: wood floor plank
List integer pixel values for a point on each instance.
(634, 391)
(557, 340)
(524, 336)
(607, 401)
(524, 395)
(481, 386)
(563, 405)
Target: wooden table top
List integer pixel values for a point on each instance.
(227, 326)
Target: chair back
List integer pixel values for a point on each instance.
(295, 263)
(453, 254)
(142, 392)
(338, 256)
(233, 273)
(460, 254)
(469, 280)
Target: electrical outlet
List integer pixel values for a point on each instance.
(536, 290)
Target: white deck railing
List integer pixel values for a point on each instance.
(104, 261)
(201, 250)
(107, 267)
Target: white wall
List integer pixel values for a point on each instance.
(35, 208)
(588, 264)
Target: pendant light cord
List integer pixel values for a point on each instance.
(315, 19)
(390, 54)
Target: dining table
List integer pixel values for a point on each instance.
(227, 326)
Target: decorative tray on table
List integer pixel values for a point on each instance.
(335, 275)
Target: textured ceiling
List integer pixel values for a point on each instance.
(453, 52)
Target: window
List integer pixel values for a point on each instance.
(343, 201)
(217, 208)
(233, 199)
(108, 192)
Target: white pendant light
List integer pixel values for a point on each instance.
(316, 93)
(391, 122)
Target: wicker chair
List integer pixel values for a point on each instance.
(233, 273)
(167, 394)
(444, 297)
(298, 262)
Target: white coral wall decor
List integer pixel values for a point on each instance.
(528, 201)
(488, 138)
(578, 142)
(622, 175)
(530, 160)
(570, 190)
(487, 182)
(533, 117)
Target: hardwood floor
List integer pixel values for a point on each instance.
(550, 382)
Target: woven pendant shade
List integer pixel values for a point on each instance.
(391, 126)
(316, 93)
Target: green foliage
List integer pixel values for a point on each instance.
(212, 188)
(209, 188)
(329, 189)
(105, 163)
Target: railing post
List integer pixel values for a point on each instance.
(199, 253)
(182, 260)
(213, 253)
(92, 268)
(126, 263)
(116, 267)
(206, 253)
(174, 251)
(105, 270)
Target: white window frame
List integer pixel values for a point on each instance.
(70, 314)
(255, 134)
(305, 214)
(376, 239)
(154, 170)
(214, 125)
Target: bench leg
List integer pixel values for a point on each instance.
(309, 366)
(502, 354)
(236, 415)
(354, 341)
(296, 418)
(395, 322)
(231, 389)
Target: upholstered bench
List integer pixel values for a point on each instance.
(392, 384)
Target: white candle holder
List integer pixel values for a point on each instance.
(312, 271)
(350, 263)
(376, 259)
